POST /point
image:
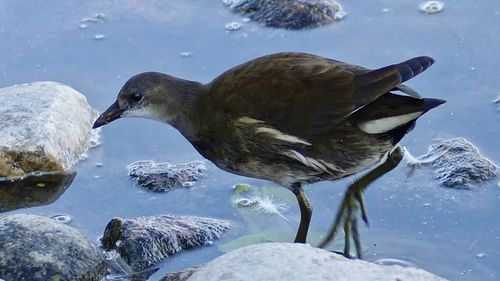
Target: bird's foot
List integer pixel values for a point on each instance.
(347, 217)
(354, 205)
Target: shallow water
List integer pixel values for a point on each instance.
(453, 233)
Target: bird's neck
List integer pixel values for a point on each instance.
(182, 105)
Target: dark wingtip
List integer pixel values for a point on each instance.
(412, 67)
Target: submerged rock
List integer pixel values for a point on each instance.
(290, 14)
(457, 163)
(44, 127)
(33, 191)
(286, 261)
(146, 241)
(37, 248)
(163, 177)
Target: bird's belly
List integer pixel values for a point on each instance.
(285, 170)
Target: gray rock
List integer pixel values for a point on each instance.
(33, 191)
(38, 248)
(146, 241)
(162, 177)
(44, 126)
(287, 261)
(457, 163)
(290, 14)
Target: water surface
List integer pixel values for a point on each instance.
(453, 233)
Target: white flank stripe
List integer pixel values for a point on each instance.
(280, 136)
(318, 165)
(383, 125)
(248, 120)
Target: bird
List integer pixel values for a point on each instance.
(291, 118)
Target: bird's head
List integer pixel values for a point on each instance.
(146, 95)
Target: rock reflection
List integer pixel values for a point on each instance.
(34, 190)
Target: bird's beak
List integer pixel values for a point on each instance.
(112, 113)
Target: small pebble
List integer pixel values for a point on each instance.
(99, 16)
(185, 54)
(99, 165)
(245, 202)
(426, 205)
(99, 36)
(87, 20)
(40, 184)
(497, 100)
(480, 255)
(233, 26)
(62, 218)
(386, 10)
(431, 7)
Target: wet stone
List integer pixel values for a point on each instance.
(146, 241)
(37, 131)
(37, 248)
(162, 177)
(289, 14)
(457, 163)
(287, 261)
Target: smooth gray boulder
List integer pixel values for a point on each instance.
(146, 241)
(44, 127)
(162, 177)
(291, 261)
(457, 163)
(37, 248)
(289, 14)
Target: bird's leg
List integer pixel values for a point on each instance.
(305, 212)
(354, 201)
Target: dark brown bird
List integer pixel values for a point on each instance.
(291, 118)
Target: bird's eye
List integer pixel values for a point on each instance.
(136, 97)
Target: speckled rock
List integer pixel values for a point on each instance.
(33, 191)
(162, 177)
(290, 14)
(457, 163)
(44, 126)
(37, 248)
(146, 241)
(287, 261)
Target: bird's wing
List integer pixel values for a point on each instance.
(304, 95)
